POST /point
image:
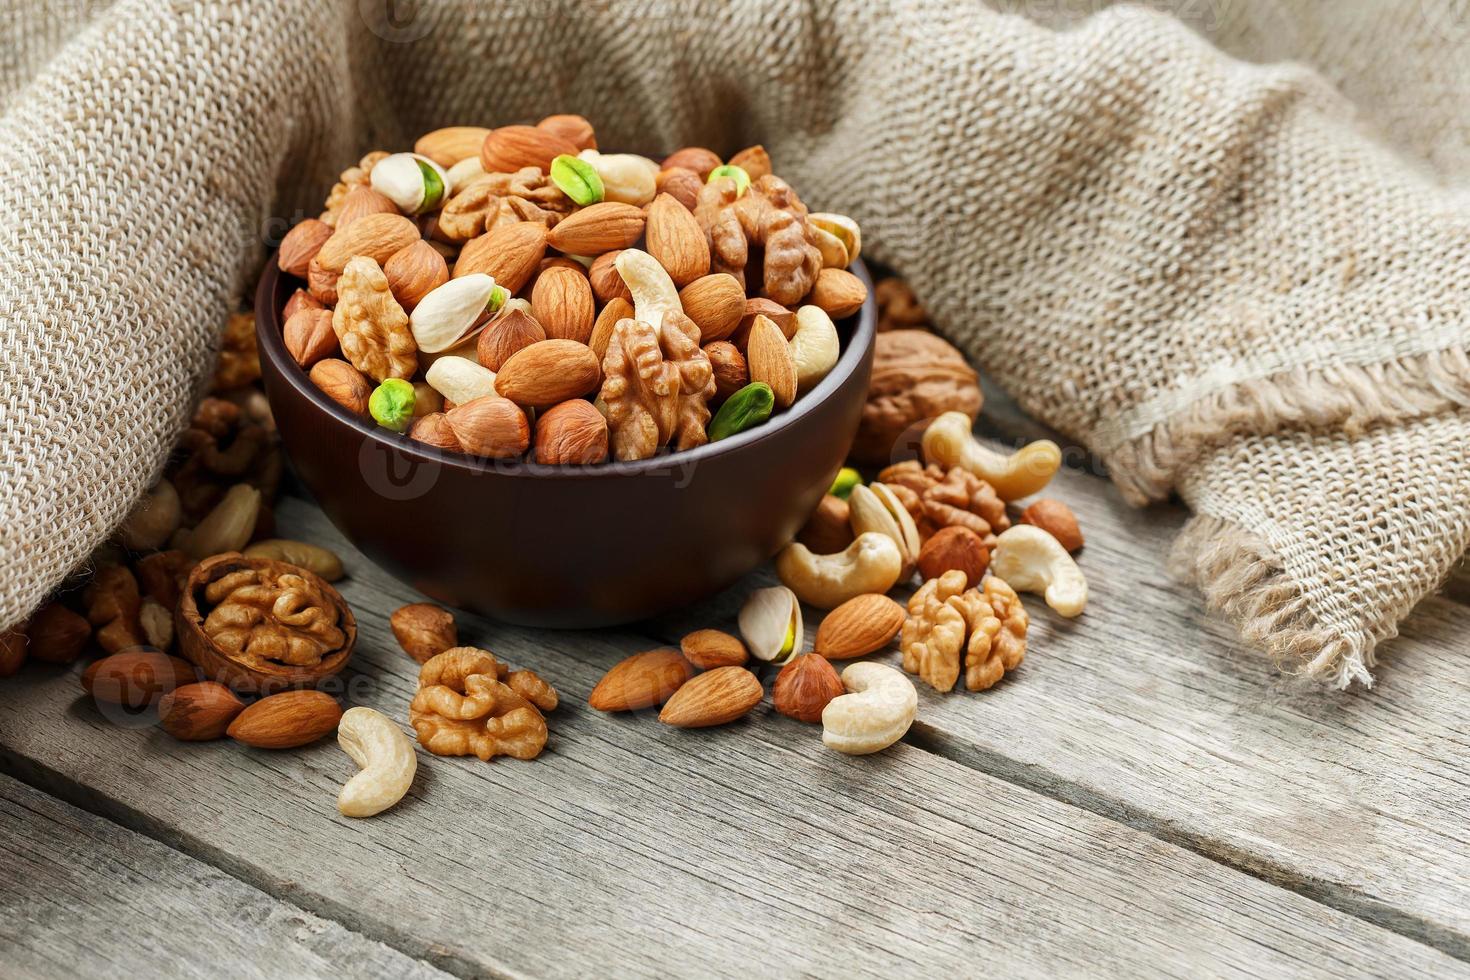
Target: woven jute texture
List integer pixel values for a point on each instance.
(1219, 276)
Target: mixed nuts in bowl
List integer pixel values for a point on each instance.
(566, 388)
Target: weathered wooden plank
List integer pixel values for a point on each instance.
(1148, 709)
(81, 896)
(634, 849)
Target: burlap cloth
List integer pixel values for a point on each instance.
(1220, 277)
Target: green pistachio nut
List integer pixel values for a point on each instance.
(433, 185)
(746, 409)
(742, 179)
(391, 404)
(847, 478)
(577, 179)
(498, 296)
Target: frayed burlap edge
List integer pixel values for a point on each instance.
(1346, 397)
(1243, 579)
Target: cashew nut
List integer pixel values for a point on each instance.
(877, 712)
(872, 563)
(460, 379)
(626, 177)
(154, 519)
(948, 442)
(1031, 560)
(386, 757)
(654, 293)
(875, 508)
(814, 346)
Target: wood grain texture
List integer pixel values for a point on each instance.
(80, 896)
(1148, 710)
(635, 849)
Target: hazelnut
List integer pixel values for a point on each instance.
(805, 686)
(731, 371)
(571, 432)
(606, 281)
(300, 300)
(309, 336)
(514, 330)
(12, 651)
(680, 183)
(424, 630)
(57, 635)
(695, 158)
(829, 529)
(954, 549)
(434, 430)
(759, 306)
(1057, 519)
(342, 383)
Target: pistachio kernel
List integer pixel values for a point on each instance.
(742, 179)
(391, 404)
(747, 408)
(577, 179)
(847, 478)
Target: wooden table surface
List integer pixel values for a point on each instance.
(1143, 797)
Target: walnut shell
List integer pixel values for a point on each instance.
(196, 645)
(916, 378)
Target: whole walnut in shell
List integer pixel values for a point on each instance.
(916, 378)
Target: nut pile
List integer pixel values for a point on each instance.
(516, 292)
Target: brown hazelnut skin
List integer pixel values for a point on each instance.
(342, 383)
(829, 529)
(573, 432)
(424, 630)
(804, 687)
(434, 430)
(954, 548)
(606, 280)
(1056, 519)
(731, 371)
(57, 635)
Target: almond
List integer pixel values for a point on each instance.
(641, 681)
(424, 630)
(572, 128)
(342, 383)
(514, 330)
(561, 301)
(954, 549)
(548, 372)
(449, 145)
(838, 292)
(754, 160)
(376, 236)
(708, 649)
(199, 712)
(600, 228)
(769, 358)
(510, 148)
(510, 254)
(414, 273)
(858, 627)
(300, 300)
(804, 686)
(434, 430)
(681, 184)
(57, 635)
(616, 309)
(1057, 519)
(309, 336)
(137, 678)
(286, 720)
(490, 426)
(361, 202)
(675, 239)
(731, 371)
(715, 697)
(300, 246)
(695, 158)
(771, 310)
(606, 280)
(716, 304)
(573, 432)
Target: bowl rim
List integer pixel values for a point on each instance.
(272, 344)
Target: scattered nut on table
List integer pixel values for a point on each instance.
(464, 708)
(385, 756)
(876, 712)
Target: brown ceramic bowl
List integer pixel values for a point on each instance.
(566, 546)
